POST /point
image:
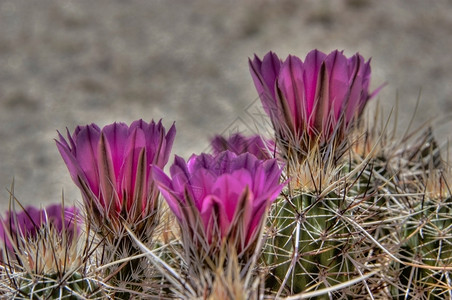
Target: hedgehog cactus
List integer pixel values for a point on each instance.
(327, 209)
(313, 106)
(425, 242)
(44, 254)
(314, 242)
(422, 206)
(112, 168)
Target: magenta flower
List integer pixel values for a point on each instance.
(317, 99)
(226, 194)
(239, 144)
(112, 168)
(26, 224)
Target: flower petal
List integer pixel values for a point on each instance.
(87, 140)
(116, 135)
(165, 186)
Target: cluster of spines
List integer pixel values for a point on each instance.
(363, 216)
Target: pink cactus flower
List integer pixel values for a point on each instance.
(27, 223)
(112, 167)
(227, 194)
(315, 100)
(239, 144)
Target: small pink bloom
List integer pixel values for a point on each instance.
(26, 224)
(318, 98)
(239, 144)
(228, 192)
(112, 166)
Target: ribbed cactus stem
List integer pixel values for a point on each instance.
(53, 286)
(308, 248)
(427, 243)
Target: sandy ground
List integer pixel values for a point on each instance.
(64, 63)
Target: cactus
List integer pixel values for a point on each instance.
(53, 286)
(423, 240)
(383, 206)
(45, 255)
(325, 210)
(315, 243)
(413, 180)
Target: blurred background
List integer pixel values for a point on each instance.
(70, 62)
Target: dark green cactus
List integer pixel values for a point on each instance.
(315, 243)
(54, 286)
